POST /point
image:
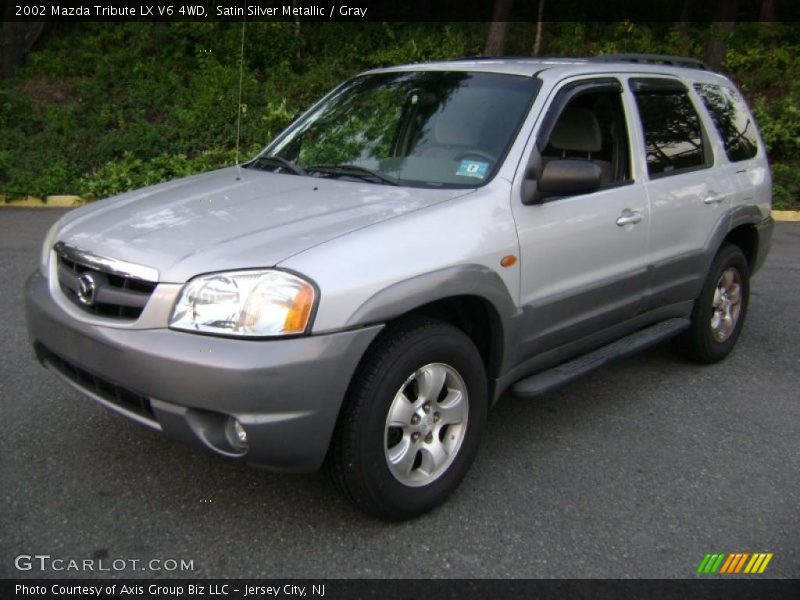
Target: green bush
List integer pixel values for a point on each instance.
(130, 172)
(786, 186)
(100, 109)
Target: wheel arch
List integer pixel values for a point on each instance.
(740, 226)
(477, 318)
(745, 236)
(472, 298)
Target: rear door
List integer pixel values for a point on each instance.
(688, 195)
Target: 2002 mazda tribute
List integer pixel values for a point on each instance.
(422, 240)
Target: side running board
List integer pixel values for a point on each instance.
(545, 381)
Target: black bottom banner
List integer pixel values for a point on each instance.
(387, 589)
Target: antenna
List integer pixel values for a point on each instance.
(239, 104)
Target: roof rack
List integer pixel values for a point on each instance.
(483, 57)
(658, 59)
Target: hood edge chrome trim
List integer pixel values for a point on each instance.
(106, 264)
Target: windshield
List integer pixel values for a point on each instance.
(423, 128)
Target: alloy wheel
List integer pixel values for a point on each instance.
(426, 424)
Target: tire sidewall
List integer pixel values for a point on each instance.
(729, 256)
(448, 346)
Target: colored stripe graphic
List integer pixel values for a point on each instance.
(717, 563)
(703, 563)
(753, 561)
(739, 566)
(736, 560)
(767, 558)
(710, 563)
(727, 563)
(731, 564)
(734, 563)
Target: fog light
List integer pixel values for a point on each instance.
(237, 436)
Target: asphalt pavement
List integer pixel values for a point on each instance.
(638, 470)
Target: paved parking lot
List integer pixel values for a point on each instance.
(635, 471)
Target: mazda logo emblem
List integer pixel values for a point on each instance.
(87, 289)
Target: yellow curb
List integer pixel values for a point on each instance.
(56, 201)
(786, 215)
(64, 201)
(28, 201)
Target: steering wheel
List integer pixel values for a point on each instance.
(478, 153)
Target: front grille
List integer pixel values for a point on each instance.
(108, 391)
(115, 296)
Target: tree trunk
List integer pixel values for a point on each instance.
(767, 12)
(495, 41)
(724, 23)
(537, 41)
(297, 53)
(18, 39)
(686, 17)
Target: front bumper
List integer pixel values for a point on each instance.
(286, 393)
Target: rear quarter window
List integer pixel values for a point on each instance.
(732, 120)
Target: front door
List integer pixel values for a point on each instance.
(583, 257)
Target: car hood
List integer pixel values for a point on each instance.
(234, 219)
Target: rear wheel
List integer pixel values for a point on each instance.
(409, 429)
(719, 312)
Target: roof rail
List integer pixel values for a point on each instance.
(483, 57)
(659, 59)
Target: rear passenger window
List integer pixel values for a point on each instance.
(673, 136)
(733, 122)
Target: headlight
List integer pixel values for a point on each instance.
(245, 303)
(47, 246)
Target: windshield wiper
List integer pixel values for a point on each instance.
(280, 162)
(353, 171)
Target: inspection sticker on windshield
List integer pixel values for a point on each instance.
(473, 168)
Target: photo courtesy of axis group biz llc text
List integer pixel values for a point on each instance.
(176, 590)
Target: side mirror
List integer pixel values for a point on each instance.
(562, 177)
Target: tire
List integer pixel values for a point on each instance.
(710, 338)
(431, 448)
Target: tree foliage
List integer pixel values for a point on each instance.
(101, 108)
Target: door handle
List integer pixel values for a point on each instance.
(713, 198)
(629, 217)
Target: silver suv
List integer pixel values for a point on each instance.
(423, 240)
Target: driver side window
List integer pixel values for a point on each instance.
(592, 127)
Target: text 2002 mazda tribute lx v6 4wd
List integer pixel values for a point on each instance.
(422, 240)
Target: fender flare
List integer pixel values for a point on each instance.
(471, 280)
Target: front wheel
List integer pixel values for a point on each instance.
(719, 312)
(409, 428)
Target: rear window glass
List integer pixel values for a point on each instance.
(732, 120)
(673, 135)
